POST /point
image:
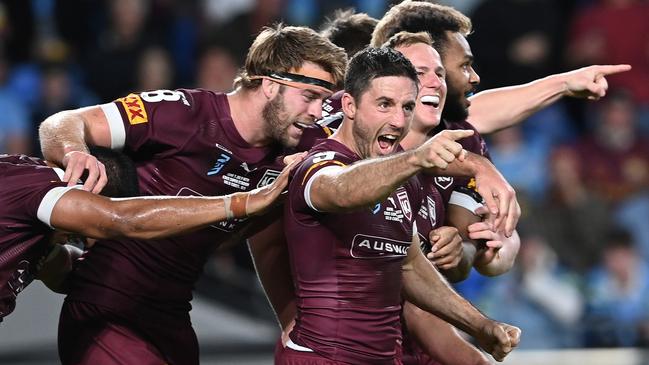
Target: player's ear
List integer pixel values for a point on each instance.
(349, 105)
(269, 88)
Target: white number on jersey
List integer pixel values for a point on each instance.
(163, 95)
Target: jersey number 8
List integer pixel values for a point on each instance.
(161, 95)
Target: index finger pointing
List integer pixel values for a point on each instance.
(613, 69)
(456, 134)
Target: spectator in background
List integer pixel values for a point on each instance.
(111, 68)
(572, 219)
(154, 71)
(14, 122)
(516, 41)
(237, 34)
(618, 296)
(550, 321)
(615, 165)
(217, 69)
(523, 163)
(610, 31)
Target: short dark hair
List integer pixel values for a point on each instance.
(422, 16)
(372, 63)
(120, 170)
(349, 30)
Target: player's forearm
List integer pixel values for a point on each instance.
(436, 336)
(496, 109)
(425, 287)
(363, 183)
(61, 133)
(144, 217)
(504, 259)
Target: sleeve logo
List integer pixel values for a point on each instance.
(134, 109)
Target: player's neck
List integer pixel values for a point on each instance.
(345, 136)
(246, 112)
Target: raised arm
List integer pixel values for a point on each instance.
(372, 180)
(496, 109)
(65, 137)
(426, 288)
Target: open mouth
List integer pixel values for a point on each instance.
(430, 100)
(387, 141)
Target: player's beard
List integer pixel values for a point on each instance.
(362, 138)
(275, 124)
(454, 110)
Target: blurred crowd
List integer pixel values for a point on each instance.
(581, 169)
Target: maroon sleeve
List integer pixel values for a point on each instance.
(305, 172)
(160, 120)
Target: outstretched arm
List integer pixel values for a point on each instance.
(372, 180)
(496, 109)
(64, 140)
(153, 217)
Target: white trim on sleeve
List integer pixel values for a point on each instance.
(464, 201)
(44, 212)
(307, 189)
(115, 125)
(60, 173)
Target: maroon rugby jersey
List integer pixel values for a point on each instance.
(463, 185)
(347, 267)
(183, 142)
(29, 189)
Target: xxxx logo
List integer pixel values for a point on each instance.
(134, 109)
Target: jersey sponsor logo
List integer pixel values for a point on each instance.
(371, 247)
(134, 107)
(405, 204)
(443, 181)
(219, 164)
(269, 177)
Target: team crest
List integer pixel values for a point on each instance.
(268, 178)
(405, 204)
(443, 181)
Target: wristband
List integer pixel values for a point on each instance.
(236, 205)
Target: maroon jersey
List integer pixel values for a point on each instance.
(29, 189)
(183, 142)
(432, 212)
(461, 190)
(347, 266)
